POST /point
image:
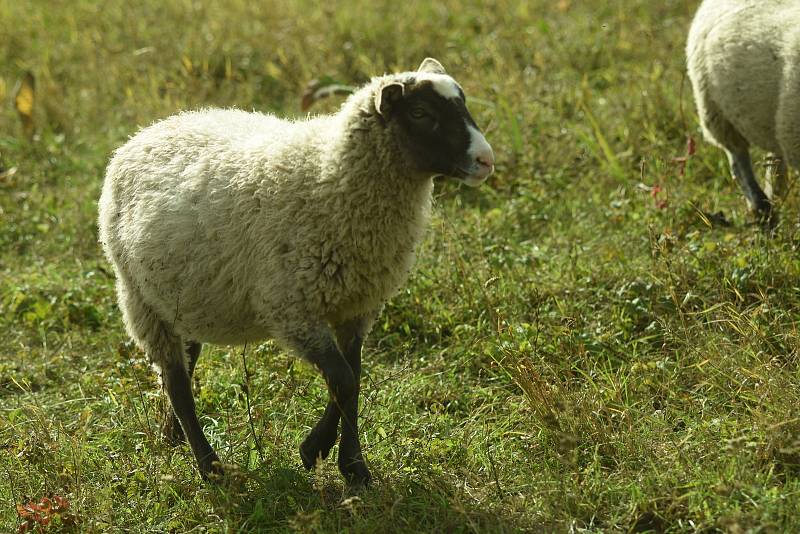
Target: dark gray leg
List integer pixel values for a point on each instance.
(775, 187)
(351, 461)
(193, 349)
(742, 170)
(171, 429)
(320, 349)
(179, 390)
(322, 437)
(343, 386)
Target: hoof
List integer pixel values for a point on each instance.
(315, 449)
(767, 223)
(211, 468)
(715, 219)
(355, 472)
(766, 216)
(310, 455)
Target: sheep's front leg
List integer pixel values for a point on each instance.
(317, 345)
(322, 437)
(351, 460)
(341, 368)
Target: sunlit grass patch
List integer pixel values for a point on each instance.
(597, 340)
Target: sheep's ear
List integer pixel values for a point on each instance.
(388, 95)
(431, 65)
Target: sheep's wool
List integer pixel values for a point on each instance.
(233, 227)
(744, 64)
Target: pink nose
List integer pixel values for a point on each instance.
(485, 158)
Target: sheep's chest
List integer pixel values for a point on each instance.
(359, 271)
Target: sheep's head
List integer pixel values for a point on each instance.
(428, 114)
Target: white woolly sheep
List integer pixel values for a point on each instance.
(744, 64)
(232, 227)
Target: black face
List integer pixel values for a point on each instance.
(434, 129)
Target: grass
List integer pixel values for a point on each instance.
(578, 350)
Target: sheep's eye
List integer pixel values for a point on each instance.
(419, 113)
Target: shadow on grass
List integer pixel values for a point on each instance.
(286, 499)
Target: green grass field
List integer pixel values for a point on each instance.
(581, 347)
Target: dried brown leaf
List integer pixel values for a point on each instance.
(24, 101)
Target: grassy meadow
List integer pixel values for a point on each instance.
(596, 340)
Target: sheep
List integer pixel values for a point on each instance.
(230, 227)
(743, 61)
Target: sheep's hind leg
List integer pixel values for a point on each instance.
(742, 170)
(165, 349)
(171, 428)
(178, 386)
(723, 134)
(775, 186)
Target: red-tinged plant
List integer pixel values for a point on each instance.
(37, 517)
(690, 147)
(681, 161)
(655, 192)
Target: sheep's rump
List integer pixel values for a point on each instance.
(741, 56)
(177, 212)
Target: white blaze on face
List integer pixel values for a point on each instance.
(442, 84)
(482, 156)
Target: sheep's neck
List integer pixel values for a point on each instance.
(367, 164)
(383, 191)
(383, 210)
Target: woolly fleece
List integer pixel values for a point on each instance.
(744, 65)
